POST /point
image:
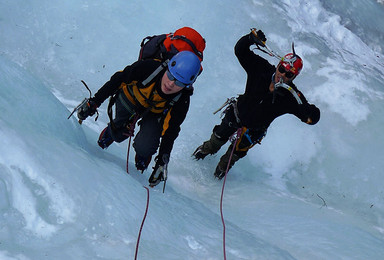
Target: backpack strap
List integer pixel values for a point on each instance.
(195, 50)
(175, 99)
(111, 102)
(113, 98)
(155, 73)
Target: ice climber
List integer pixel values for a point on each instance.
(269, 93)
(155, 92)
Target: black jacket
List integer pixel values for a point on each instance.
(173, 116)
(258, 107)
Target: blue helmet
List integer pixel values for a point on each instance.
(184, 67)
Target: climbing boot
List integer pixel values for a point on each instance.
(208, 147)
(142, 163)
(223, 163)
(105, 138)
(219, 172)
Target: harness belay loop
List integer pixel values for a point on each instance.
(236, 136)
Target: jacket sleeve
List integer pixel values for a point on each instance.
(111, 86)
(250, 61)
(171, 127)
(139, 71)
(307, 111)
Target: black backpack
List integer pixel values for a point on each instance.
(152, 47)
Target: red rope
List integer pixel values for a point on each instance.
(142, 223)
(132, 127)
(238, 132)
(129, 146)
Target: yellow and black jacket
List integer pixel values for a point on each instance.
(148, 98)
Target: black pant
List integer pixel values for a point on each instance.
(229, 126)
(147, 139)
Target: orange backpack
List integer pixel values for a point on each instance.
(164, 46)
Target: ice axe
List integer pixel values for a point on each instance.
(82, 103)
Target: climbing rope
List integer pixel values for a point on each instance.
(142, 223)
(235, 139)
(129, 146)
(131, 126)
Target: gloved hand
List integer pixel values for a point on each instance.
(87, 108)
(159, 171)
(309, 113)
(258, 37)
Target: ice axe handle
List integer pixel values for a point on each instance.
(258, 41)
(166, 161)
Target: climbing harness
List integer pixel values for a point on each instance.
(248, 138)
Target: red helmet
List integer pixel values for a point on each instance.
(292, 62)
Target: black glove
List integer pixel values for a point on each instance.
(309, 111)
(87, 108)
(159, 171)
(258, 37)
